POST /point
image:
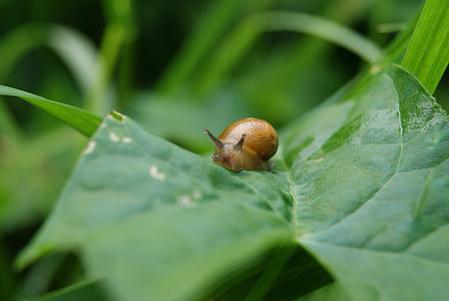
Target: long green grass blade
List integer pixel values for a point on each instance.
(244, 36)
(75, 50)
(83, 121)
(427, 55)
(325, 29)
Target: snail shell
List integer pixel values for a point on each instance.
(245, 144)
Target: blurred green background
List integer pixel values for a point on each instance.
(175, 67)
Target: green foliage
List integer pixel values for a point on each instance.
(428, 53)
(354, 208)
(79, 119)
(73, 48)
(373, 210)
(86, 291)
(244, 36)
(362, 191)
(218, 16)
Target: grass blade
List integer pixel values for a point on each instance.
(427, 55)
(75, 50)
(244, 36)
(83, 121)
(324, 29)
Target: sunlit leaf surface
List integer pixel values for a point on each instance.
(361, 183)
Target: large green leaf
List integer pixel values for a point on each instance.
(360, 183)
(371, 194)
(128, 182)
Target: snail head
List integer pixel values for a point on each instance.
(226, 154)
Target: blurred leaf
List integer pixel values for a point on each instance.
(300, 275)
(325, 29)
(290, 76)
(183, 120)
(7, 123)
(77, 52)
(86, 291)
(7, 277)
(427, 55)
(313, 66)
(39, 277)
(395, 51)
(387, 17)
(391, 27)
(238, 43)
(209, 29)
(72, 47)
(330, 292)
(117, 36)
(360, 182)
(41, 163)
(97, 99)
(81, 120)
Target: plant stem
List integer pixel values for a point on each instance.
(112, 41)
(118, 33)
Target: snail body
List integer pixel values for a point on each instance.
(246, 144)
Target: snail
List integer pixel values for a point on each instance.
(247, 143)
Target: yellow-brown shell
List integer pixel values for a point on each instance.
(260, 136)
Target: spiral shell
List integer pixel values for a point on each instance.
(260, 136)
(247, 143)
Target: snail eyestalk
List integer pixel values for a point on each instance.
(214, 139)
